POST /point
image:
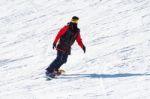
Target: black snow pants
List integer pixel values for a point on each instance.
(58, 62)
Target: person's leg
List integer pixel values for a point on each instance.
(55, 63)
(63, 60)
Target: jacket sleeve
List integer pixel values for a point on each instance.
(60, 33)
(79, 40)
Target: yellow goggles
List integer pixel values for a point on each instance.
(74, 21)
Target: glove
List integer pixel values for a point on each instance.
(54, 45)
(84, 48)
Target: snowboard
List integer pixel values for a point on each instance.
(57, 73)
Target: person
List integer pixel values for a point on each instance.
(66, 37)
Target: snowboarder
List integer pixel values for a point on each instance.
(66, 36)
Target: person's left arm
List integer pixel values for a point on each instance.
(80, 43)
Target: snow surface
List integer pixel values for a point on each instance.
(115, 66)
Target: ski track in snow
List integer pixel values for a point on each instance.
(115, 66)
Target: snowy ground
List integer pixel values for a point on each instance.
(115, 66)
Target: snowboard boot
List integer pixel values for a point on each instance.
(51, 75)
(59, 72)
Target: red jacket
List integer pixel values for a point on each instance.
(63, 31)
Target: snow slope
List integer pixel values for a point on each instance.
(115, 66)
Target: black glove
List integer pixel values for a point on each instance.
(54, 46)
(84, 49)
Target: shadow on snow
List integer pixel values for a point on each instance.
(121, 75)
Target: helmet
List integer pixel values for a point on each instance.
(75, 18)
